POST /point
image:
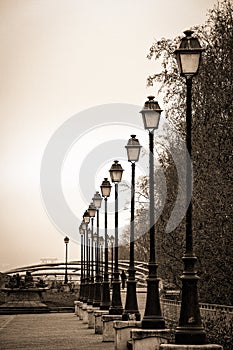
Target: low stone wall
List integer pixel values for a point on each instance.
(23, 301)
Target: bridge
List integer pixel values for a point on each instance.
(55, 269)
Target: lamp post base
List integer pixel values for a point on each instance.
(91, 292)
(153, 322)
(190, 336)
(153, 318)
(105, 300)
(131, 306)
(190, 330)
(97, 294)
(116, 307)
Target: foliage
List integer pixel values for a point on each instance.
(141, 225)
(219, 329)
(59, 299)
(212, 124)
(212, 149)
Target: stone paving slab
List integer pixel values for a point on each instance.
(55, 331)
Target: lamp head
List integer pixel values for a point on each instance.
(188, 55)
(92, 210)
(86, 217)
(105, 188)
(97, 200)
(66, 240)
(81, 230)
(83, 225)
(101, 240)
(133, 149)
(116, 171)
(112, 239)
(151, 114)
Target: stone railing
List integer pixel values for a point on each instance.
(171, 310)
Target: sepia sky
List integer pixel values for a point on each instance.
(58, 58)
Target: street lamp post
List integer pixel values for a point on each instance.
(66, 241)
(89, 266)
(97, 200)
(91, 211)
(83, 225)
(112, 244)
(116, 308)
(189, 330)
(101, 242)
(105, 299)
(81, 231)
(95, 249)
(131, 305)
(95, 265)
(86, 220)
(153, 318)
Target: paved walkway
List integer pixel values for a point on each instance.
(54, 331)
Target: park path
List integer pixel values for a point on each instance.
(52, 331)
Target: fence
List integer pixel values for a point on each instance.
(171, 310)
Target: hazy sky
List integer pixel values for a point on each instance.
(58, 58)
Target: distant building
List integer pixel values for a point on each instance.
(48, 260)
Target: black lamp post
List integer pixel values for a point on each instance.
(66, 241)
(89, 302)
(95, 263)
(153, 318)
(91, 211)
(112, 244)
(82, 232)
(189, 330)
(86, 220)
(97, 200)
(95, 252)
(105, 299)
(83, 289)
(101, 244)
(131, 305)
(116, 308)
(95, 249)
